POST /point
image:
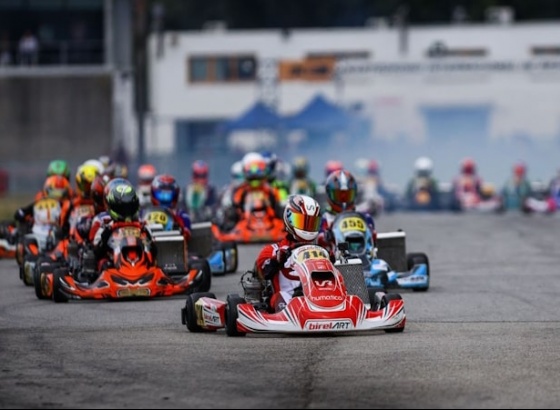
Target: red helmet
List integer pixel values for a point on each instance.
(520, 169)
(373, 168)
(98, 193)
(341, 190)
(468, 166)
(146, 174)
(332, 166)
(57, 187)
(200, 171)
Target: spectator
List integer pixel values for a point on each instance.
(28, 49)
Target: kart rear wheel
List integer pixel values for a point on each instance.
(384, 302)
(38, 273)
(58, 295)
(205, 281)
(188, 313)
(418, 258)
(231, 314)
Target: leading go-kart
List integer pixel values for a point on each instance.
(132, 273)
(387, 266)
(332, 298)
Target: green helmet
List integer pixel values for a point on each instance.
(59, 167)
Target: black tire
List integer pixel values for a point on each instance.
(233, 247)
(415, 259)
(58, 295)
(231, 314)
(188, 313)
(384, 302)
(375, 294)
(205, 282)
(37, 279)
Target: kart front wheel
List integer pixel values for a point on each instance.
(418, 258)
(232, 314)
(188, 313)
(384, 303)
(58, 294)
(203, 283)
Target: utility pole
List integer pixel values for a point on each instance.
(140, 61)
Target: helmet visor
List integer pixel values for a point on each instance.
(308, 223)
(164, 196)
(343, 196)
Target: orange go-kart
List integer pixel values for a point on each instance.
(7, 240)
(133, 274)
(258, 223)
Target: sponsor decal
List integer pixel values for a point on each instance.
(322, 298)
(328, 325)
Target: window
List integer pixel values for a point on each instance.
(545, 50)
(339, 55)
(221, 69)
(440, 50)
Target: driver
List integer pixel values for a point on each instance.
(341, 189)
(302, 219)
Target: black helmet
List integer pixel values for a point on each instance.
(122, 201)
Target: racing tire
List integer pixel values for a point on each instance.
(231, 246)
(384, 302)
(58, 294)
(188, 313)
(417, 258)
(232, 314)
(37, 279)
(375, 294)
(205, 282)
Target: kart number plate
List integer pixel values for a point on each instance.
(128, 293)
(352, 224)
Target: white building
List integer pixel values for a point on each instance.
(469, 83)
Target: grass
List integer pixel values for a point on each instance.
(9, 204)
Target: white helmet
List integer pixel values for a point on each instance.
(424, 166)
(302, 217)
(236, 171)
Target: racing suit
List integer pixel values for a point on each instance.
(270, 266)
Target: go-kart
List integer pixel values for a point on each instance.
(332, 298)
(7, 240)
(222, 257)
(388, 265)
(258, 223)
(132, 273)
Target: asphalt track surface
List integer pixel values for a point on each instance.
(486, 335)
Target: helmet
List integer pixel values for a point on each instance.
(468, 166)
(254, 168)
(146, 174)
(332, 166)
(373, 168)
(200, 171)
(59, 167)
(121, 171)
(165, 191)
(302, 217)
(424, 166)
(520, 169)
(84, 178)
(300, 167)
(98, 193)
(97, 164)
(341, 188)
(57, 187)
(236, 171)
(271, 160)
(122, 201)
(109, 166)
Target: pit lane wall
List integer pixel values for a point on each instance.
(52, 113)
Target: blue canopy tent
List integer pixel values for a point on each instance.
(320, 115)
(258, 117)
